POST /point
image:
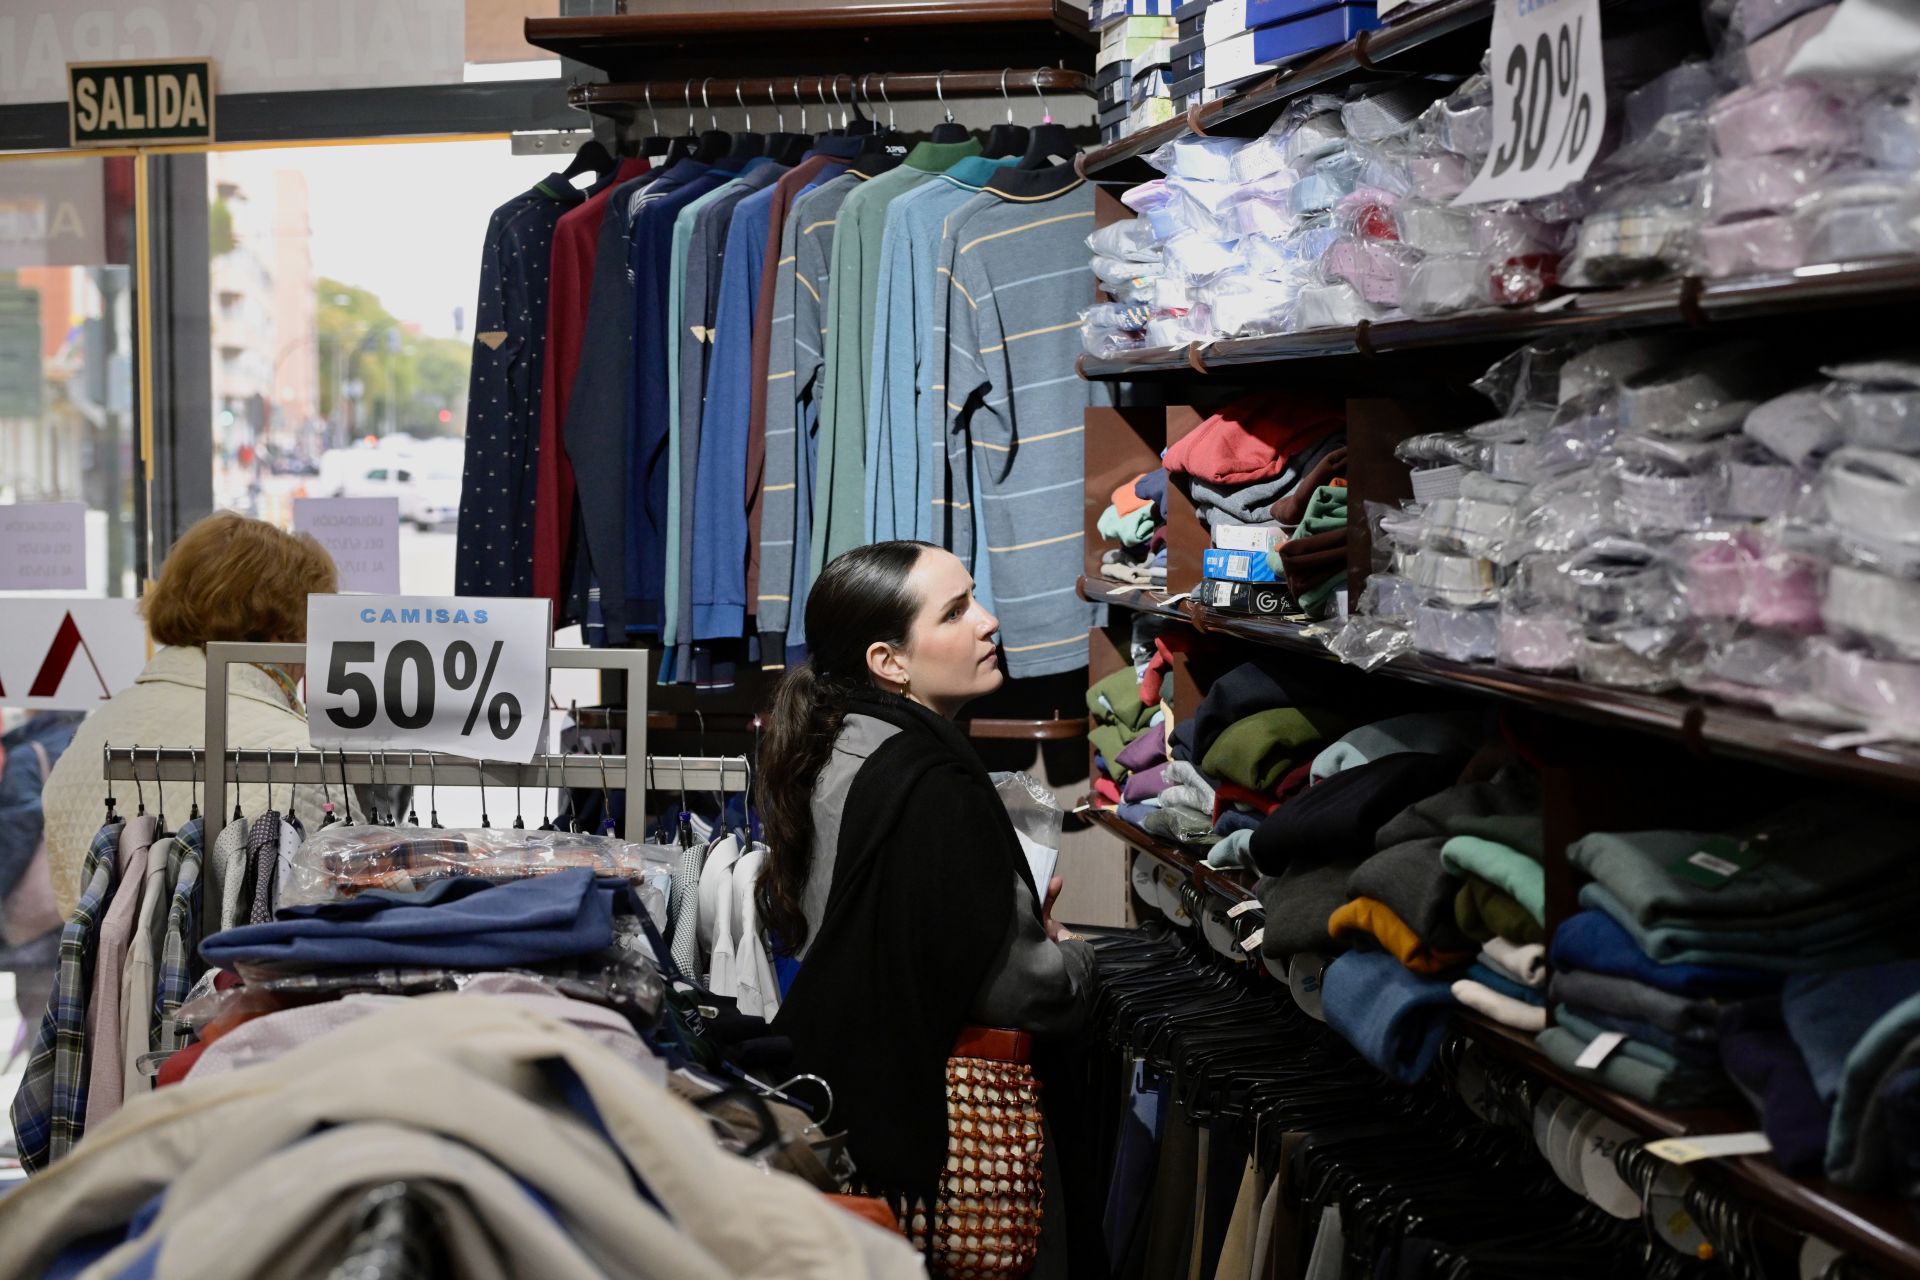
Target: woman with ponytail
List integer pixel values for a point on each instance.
(895, 878)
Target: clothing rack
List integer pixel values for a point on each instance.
(1062, 726)
(825, 91)
(634, 771)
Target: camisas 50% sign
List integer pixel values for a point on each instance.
(427, 673)
(1549, 99)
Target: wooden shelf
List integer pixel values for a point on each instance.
(1687, 301)
(1221, 883)
(1253, 108)
(1877, 1230)
(880, 35)
(1730, 730)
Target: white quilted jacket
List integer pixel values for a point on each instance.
(166, 707)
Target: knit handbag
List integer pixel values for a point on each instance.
(986, 1219)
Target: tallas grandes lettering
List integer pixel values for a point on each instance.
(151, 101)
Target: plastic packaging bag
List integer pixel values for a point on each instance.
(337, 862)
(1458, 635)
(1792, 115)
(1037, 820)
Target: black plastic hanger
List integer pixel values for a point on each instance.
(747, 145)
(1007, 139)
(1048, 141)
(715, 142)
(850, 117)
(590, 158)
(948, 131)
(106, 756)
(787, 148)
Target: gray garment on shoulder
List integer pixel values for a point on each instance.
(1038, 985)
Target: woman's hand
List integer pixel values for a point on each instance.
(1055, 931)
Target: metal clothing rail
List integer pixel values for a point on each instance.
(709, 93)
(632, 772)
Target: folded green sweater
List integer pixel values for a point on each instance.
(1257, 752)
(1509, 870)
(1116, 700)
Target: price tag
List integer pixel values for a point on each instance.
(467, 676)
(1239, 909)
(361, 534)
(43, 546)
(1251, 943)
(1598, 1050)
(1709, 1147)
(1549, 99)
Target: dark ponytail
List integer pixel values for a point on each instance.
(861, 598)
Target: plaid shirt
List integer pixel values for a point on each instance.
(49, 1111)
(177, 959)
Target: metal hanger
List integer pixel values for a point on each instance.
(193, 759)
(346, 792)
(106, 759)
(606, 797)
(948, 130)
(546, 791)
(290, 786)
(433, 793)
(1009, 139)
(713, 119)
(784, 1090)
(893, 125)
(270, 808)
(480, 774)
(160, 818)
(139, 791)
(519, 823)
(413, 811)
(373, 792)
(326, 792)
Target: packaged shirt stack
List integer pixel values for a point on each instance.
(1190, 55)
(1134, 68)
(1253, 35)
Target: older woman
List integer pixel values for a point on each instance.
(227, 578)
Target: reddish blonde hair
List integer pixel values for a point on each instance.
(234, 578)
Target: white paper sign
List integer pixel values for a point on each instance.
(1599, 1049)
(463, 675)
(43, 546)
(1710, 1147)
(361, 534)
(69, 655)
(1549, 99)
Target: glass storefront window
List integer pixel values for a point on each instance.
(67, 351)
(343, 283)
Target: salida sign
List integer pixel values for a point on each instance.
(112, 104)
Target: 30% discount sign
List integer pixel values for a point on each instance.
(1549, 99)
(427, 673)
